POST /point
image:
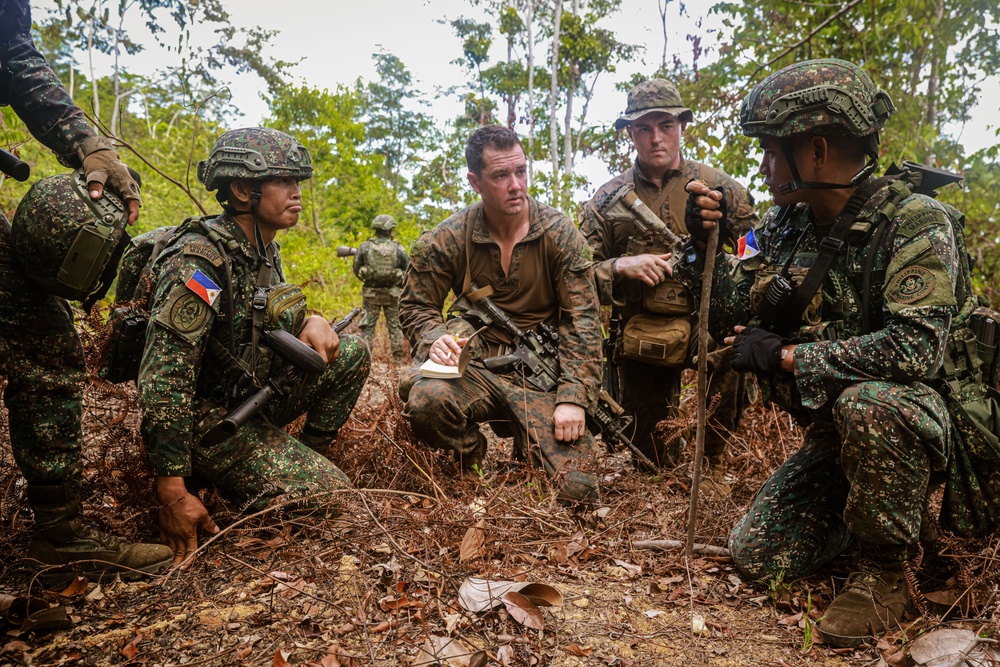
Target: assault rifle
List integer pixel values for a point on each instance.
(346, 251)
(297, 357)
(536, 354)
(13, 166)
(624, 205)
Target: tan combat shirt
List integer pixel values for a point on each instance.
(550, 280)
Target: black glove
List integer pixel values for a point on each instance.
(695, 225)
(757, 350)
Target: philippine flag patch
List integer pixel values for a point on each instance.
(204, 287)
(747, 246)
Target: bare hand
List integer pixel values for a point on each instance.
(447, 349)
(650, 269)
(180, 515)
(570, 421)
(320, 336)
(729, 340)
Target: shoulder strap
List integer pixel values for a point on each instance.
(829, 248)
(884, 237)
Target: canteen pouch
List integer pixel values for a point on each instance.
(656, 340)
(286, 308)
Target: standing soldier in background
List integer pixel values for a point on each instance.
(632, 277)
(40, 351)
(380, 264)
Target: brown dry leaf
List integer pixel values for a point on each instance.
(472, 543)
(16, 645)
(76, 587)
(576, 650)
(522, 611)
(948, 596)
(131, 650)
(448, 652)
(505, 655)
(281, 658)
(390, 603)
(477, 595)
(633, 570)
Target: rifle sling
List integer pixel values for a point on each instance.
(829, 248)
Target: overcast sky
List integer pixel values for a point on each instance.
(334, 40)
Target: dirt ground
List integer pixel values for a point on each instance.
(379, 583)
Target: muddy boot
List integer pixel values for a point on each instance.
(715, 482)
(64, 545)
(874, 598)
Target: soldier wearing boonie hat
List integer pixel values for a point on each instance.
(626, 263)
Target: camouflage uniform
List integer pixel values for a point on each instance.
(39, 346)
(877, 430)
(549, 281)
(652, 393)
(187, 380)
(40, 350)
(380, 292)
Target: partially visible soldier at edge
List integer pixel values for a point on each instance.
(204, 353)
(855, 354)
(380, 264)
(628, 264)
(538, 266)
(40, 349)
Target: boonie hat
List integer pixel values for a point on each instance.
(651, 96)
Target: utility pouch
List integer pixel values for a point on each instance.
(772, 292)
(656, 340)
(124, 353)
(671, 297)
(285, 308)
(985, 324)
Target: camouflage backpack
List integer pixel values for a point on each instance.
(130, 311)
(380, 258)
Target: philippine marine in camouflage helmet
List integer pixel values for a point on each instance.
(39, 347)
(841, 304)
(631, 271)
(217, 287)
(380, 264)
(43, 361)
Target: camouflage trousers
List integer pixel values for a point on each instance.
(652, 393)
(261, 461)
(447, 414)
(864, 475)
(371, 307)
(41, 355)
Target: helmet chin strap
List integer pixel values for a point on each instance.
(798, 184)
(255, 195)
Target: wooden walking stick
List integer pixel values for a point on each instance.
(699, 440)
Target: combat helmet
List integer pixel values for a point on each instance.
(66, 242)
(254, 154)
(383, 222)
(823, 96)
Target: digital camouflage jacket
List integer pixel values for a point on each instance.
(917, 286)
(35, 93)
(182, 375)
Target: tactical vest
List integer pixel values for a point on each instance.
(380, 258)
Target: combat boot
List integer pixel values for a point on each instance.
(874, 598)
(715, 482)
(64, 545)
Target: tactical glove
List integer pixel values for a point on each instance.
(694, 223)
(102, 164)
(757, 350)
